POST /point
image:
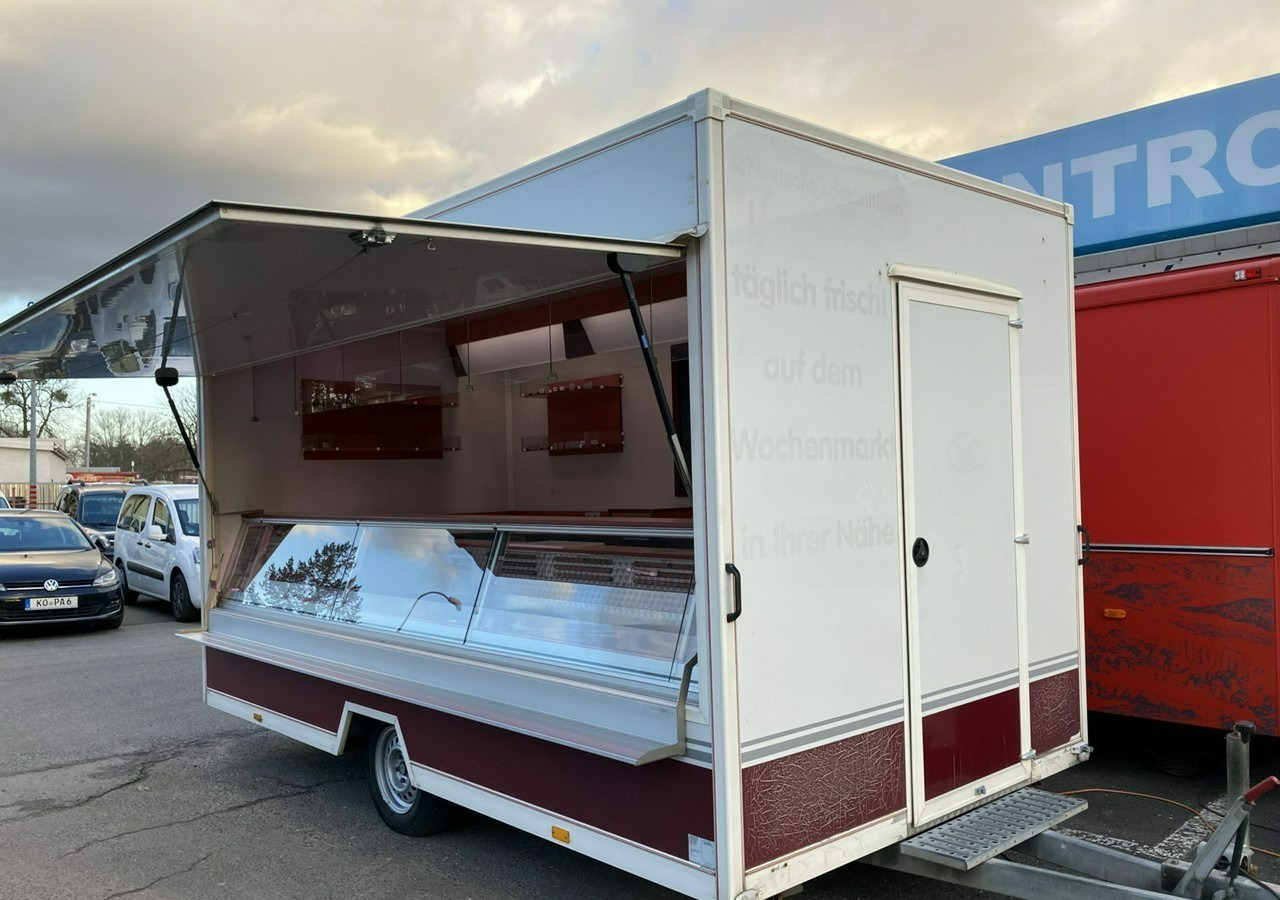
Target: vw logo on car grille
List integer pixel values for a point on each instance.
(51, 584)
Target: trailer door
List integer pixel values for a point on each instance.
(965, 607)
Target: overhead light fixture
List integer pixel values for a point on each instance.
(374, 237)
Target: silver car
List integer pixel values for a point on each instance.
(157, 547)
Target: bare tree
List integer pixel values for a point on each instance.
(54, 400)
(142, 440)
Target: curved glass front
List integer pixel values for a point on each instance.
(613, 602)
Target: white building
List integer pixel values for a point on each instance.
(15, 460)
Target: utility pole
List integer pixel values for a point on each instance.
(88, 407)
(32, 489)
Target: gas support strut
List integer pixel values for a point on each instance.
(166, 377)
(624, 264)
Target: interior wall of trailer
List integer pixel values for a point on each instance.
(262, 411)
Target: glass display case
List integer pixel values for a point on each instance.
(611, 600)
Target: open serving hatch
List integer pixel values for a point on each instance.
(232, 285)
(340, 361)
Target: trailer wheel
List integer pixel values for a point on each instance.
(402, 806)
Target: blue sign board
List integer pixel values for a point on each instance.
(1198, 164)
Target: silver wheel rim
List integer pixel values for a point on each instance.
(177, 595)
(392, 770)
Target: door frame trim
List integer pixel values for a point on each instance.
(957, 291)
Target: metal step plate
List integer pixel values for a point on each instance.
(978, 835)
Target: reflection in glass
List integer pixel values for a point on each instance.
(306, 570)
(420, 580)
(189, 516)
(615, 603)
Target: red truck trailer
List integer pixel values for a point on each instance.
(1179, 398)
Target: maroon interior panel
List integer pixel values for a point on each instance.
(1055, 710)
(799, 800)
(970, 741)
(657, 805)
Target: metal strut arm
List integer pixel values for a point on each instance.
(624, 264)
(166, 377)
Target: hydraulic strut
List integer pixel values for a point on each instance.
(624, 264)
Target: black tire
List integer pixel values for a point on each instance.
(130, 597)
(180, 599)
(402, 806)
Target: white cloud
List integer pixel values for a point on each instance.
(515, 94)
(118, 116)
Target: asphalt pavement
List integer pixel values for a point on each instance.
(116, 781)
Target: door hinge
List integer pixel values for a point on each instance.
(1015, 323)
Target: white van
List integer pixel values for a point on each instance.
(158, 547)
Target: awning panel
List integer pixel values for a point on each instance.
(234, 285)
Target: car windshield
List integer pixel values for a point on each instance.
(189, 516)
(100, 510)
(22, 533)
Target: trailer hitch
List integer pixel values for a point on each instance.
(1231, 832)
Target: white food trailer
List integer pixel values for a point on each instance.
(446, 506)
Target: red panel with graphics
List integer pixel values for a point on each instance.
(658, 805)
(1182, 638)
(1178, 388)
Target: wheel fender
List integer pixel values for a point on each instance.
(352, 711)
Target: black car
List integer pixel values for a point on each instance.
(95, 505)
(51, 571)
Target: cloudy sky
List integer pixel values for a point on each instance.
(119, 116)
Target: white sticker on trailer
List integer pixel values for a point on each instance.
(702, 852)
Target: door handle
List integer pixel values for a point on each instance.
(737, 592)
(920, 552)
(1086, 545)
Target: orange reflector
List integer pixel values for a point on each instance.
(560, 834)
(1114, 613)
(257, 717)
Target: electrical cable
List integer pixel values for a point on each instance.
(1259, 882)
(1207, 824)
(1189, 809)
(1254, 824)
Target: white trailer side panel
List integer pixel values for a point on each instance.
(813, 223)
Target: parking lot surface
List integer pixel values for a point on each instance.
(118, 782)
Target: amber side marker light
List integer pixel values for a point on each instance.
(1114, 613)
(560, 834)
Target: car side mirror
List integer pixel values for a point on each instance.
(156, 533)
(100, 542)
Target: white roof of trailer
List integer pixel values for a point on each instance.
(518, 202)
(234, 285)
